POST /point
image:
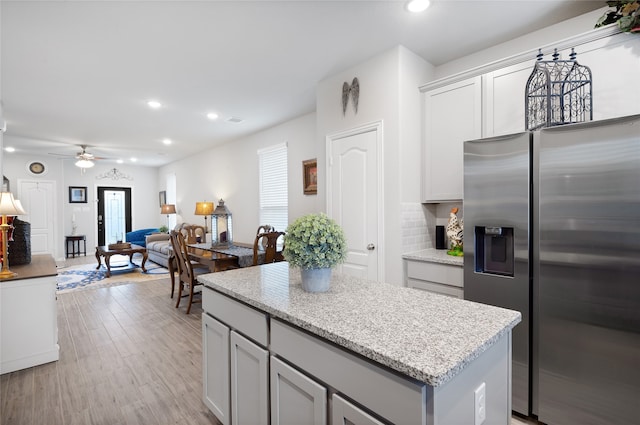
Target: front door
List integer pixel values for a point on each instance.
(353, 196)
(114, 214)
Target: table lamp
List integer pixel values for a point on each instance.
(168, 209)
(12, 207)
(204, 208)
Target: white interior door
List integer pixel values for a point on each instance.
(354, 201)
(38, 199)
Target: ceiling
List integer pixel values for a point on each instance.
(81, 72)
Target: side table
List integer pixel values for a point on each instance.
(74, 241)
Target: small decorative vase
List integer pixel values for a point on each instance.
(316, 280)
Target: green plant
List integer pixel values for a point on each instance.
(626, 14)
(314, 241)
(163, 229)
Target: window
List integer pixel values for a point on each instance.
(273, 186)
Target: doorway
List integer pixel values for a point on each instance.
(114, 214)
(354, 199)
(38, 198)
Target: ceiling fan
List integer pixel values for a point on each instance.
(84, 158)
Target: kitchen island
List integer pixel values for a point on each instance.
(363, 352)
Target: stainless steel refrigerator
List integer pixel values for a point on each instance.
(552, 229)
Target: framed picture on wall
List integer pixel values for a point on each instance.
(310, 176)
(162, 197)
(78, 194)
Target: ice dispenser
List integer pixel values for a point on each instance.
(494, 250)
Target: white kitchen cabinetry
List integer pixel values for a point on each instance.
(345, 413)
(236, 368)
(249, 382)
(296, 398)
(452, 114)
(28, 316)
(215, 352)
(442, 279)
(504, 99)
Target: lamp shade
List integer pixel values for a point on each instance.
(9, 205)
(84, 163)
(204, 208)
(168, 209)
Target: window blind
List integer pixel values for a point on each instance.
(273, 186)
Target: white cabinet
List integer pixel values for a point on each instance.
(442, 279)
(504, 99)
(295, 398)
(216, 367)
(452, 114)
(249, 382)
(28, 316)
(345, 413)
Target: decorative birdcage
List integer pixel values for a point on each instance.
(558, 92)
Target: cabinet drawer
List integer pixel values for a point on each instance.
(438, 288)
(246, 320)
(398, 399)
(435, 272)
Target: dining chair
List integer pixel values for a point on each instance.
(268, 243)
(188, 270)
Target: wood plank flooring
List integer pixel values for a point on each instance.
(127, 357)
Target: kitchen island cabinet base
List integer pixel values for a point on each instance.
(373, 390)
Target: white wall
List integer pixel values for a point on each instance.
(388, 92)
(534, 40)
(230, 171)
(144, 193)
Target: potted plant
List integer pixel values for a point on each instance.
(163, 229)
(315, 243)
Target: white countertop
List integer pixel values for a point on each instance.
(434, 256)
(426, 336)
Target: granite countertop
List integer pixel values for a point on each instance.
(434, 256)
(426, 336)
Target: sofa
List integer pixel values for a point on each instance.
(159, 245)
(138, 237)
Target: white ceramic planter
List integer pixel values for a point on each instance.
(316, 280)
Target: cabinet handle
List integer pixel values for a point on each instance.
(371, 247)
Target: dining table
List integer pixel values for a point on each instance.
(218, 258)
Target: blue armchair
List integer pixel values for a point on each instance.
(137, 237)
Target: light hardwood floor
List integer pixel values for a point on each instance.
(127, 357)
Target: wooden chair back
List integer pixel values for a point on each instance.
(268, 242)
(187, 276)
(264, 228)
(191, 232)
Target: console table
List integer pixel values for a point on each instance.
(74, 241)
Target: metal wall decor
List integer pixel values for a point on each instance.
(558, 92)
(114, 174)
(352, 91)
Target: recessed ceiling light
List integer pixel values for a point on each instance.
(167, 141)
(10, 149)
(235, 120)
(212, 116)
(119, 161)
(154, 104)
(133, 159)
(416, 6)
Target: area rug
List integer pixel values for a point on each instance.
(86, 276)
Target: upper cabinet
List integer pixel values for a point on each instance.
(489, 101)
(503, 100)
(452, 114)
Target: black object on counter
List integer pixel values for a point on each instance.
(440, 240)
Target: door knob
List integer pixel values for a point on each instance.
(371, 247)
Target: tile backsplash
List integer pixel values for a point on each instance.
(418, 223)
